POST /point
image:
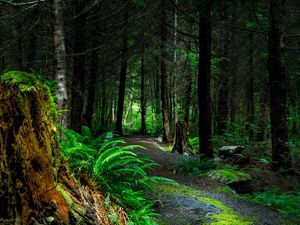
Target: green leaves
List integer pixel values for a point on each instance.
(138, 2)
(116, 169)
(229, 175)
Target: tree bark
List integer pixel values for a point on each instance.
(123, 73)
(164, 78)
(34, 184)
(60, 61)
(204, 77)
(78, 67)
(181, 137)
(278, 87)
(143, 100)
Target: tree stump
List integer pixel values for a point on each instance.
(181, 137)
(35, 187)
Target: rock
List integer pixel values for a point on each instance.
(229, 151)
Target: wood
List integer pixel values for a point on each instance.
(167, 138)
(181, 137)
(123, 73)
(278, 87)
(34, 183)
(204, 77)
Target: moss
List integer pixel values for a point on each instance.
(227, 216)
(28, 83)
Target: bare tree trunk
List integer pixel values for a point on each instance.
(204, 77)
(164, 78)
(123, 74)
(60, 60)
(143, 100)
(250, 90)
(278, 87)
(78, 67)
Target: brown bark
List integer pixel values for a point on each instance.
(204, 77)
(278, 87)
(164, 78)
(34, 184)
(181, 137)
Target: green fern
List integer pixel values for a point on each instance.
(229, 175)
(116, 169)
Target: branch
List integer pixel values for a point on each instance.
(19, 4)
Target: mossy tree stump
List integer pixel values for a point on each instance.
(35, 187)
(181, 137)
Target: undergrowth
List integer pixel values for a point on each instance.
(217, 170)
(286, 203)
(116, 169)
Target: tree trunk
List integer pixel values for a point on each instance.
(88, 116)
(143, 100)
(250, 89)
(278, 87)
(60, 60)
(34, 184)
(204, 77)
(164, 78)
(123, 73)
(181, 137)
(78, 67)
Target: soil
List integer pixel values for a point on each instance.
(200, 200)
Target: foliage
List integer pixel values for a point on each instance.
(194, 166)
(116, 169)
(229, 175)
(26, 82)
(286, 203)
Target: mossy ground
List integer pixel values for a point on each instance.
(226, 215)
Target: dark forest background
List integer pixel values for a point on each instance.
(230, 69)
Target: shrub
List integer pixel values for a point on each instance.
(116, 169)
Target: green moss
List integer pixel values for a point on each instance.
(26, 82)
(227, 216)
(65, 195)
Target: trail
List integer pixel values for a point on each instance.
(195, 200)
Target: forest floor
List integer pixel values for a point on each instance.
(199, 200)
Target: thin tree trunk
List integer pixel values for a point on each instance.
(143, 100)
(250, 90)
(78, 67)
(204, 77)
(88, 116)
(278, 87)
(123, 74)
(164, 78)
(60, 60)
(175, 113)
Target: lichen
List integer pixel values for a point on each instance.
(227, 215)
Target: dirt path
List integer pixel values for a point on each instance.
(196, 200)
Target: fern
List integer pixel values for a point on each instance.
(116, 169)
(229, 175)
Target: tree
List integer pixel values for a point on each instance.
(123, 73)
(204, 77)
(79, 69)
(163, 74)
(278, 86)
(143, 100)
(60, 60)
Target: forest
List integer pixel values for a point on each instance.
(144, 112)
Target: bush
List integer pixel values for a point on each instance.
(194, 166)
(287, 203)
(115, 168)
